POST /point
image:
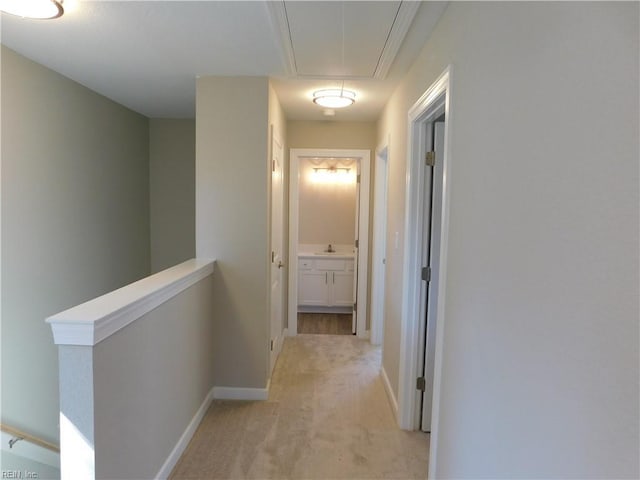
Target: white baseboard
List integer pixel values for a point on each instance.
(180, 447)
(240, 393)
(390, 395)
(321, 309)
(366, 335)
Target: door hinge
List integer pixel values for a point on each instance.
(357, 243)
(271, 345)
(273, 256)
(355, 307)
(426, 274)
(273, 165)
(358, 179)
(431, 158)
(421, 384)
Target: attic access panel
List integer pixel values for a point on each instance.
(316, 36)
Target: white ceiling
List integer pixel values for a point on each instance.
(146, 55)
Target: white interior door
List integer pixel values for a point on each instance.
(379, 248)
(277, 260)
(354, 321)
(432, 261)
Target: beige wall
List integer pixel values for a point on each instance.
(75, 222)
(232, 179)
(540, 373)
(172, 162)
(332, 134)
(327, 210)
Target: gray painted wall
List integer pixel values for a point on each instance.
(172, 185)
(75, 222)
(232, 211)
(540, 375)
(150, 379)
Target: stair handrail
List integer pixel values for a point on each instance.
(20, 435)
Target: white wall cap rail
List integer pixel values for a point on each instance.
(91, 322)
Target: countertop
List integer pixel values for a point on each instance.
(338, 255)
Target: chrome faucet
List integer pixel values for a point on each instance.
(330, 249)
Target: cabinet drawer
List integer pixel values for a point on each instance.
(330, 264)
(305, 264)
(349, 265)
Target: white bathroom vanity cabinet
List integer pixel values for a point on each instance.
(325, 282)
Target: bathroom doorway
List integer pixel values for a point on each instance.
(327, 276)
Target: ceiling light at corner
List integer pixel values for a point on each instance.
(37, 9)
(334, 98)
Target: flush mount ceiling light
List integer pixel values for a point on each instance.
(37, 9)
(334, 98)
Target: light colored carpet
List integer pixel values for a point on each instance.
(327, 417)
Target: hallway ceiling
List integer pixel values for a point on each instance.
(146, 55)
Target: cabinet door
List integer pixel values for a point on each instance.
(342, 289)
(313, 288)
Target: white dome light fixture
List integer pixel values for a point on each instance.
(334, 98)
(36, 9)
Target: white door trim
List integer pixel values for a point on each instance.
(439, 93)
(379, 244)
(363, 252)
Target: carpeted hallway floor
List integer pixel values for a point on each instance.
(327, 417)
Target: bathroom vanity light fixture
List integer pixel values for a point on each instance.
(332, 175)
(334, 98)
(36, 9)
(334, 170)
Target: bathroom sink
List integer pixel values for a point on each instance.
(328, 253)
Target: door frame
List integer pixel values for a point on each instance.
(364, 156)
(381, 177)
(421, 113)
(431, 230)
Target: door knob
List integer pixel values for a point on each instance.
(280, 264)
